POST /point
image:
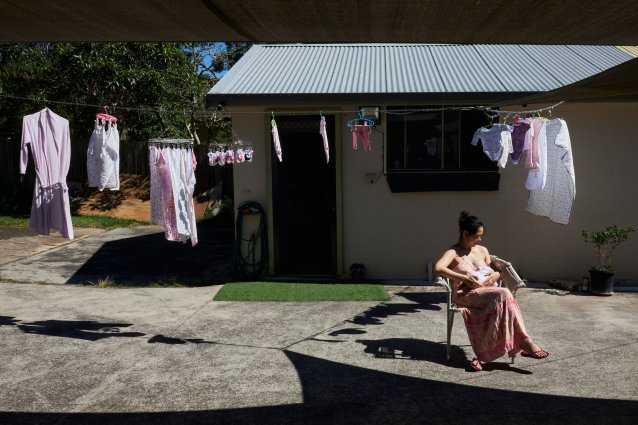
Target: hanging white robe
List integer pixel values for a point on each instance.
(556, 199)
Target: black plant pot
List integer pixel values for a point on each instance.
(602, 283)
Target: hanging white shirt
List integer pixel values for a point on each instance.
(103, 157)
(556, 199)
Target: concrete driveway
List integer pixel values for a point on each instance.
(72, 355)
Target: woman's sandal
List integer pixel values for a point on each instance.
(476, 365)
(539, 354)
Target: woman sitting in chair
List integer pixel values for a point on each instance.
(492, 316)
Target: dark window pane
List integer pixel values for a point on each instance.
(451, 126)
(423, 141)
(395, 140)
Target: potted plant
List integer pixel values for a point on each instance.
(605, 242)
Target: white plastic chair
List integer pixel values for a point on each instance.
(509, 277)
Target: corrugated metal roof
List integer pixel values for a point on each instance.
(321, 69)
(630, 50)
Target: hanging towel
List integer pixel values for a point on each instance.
(556, 199)
(103, 157)
(50, 140)
(324, 136)
(275, 140)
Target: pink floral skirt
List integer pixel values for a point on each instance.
(493, 321)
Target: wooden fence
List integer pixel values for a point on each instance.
(134, 159)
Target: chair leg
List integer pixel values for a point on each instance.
(450, 323)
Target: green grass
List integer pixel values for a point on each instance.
(94, 221)
(293, 291)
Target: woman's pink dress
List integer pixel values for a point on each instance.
(492, 318)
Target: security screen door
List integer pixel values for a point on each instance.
(304, 199)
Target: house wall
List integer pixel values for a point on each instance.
(396, 234)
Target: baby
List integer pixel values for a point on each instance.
(483, 274)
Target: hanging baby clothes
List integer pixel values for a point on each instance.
(157, 217)
(167, 198)
(536, 159)
(324, 136)
(49, 137)
(103, 157)
(496, 142)
(519, 135)
(275, 139)
(363, 131)
(174, 184)
(556, 199)
(183, 185)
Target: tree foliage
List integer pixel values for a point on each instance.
(166, 83)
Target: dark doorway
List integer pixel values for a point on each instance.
(304, 199)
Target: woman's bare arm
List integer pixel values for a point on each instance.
(442, 268)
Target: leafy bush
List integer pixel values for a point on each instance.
(605, 242)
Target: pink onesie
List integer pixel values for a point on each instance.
(364, 131)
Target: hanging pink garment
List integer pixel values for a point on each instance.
(168, 200)
(49, 137)
(532, 161)
(492, 318)
(275, 140)
(324, 136)
(157, 215)
(363, 131)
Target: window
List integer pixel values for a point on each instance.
(429, 151)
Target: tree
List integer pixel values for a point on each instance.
(155, 79)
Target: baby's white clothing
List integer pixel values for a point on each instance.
(496, 142)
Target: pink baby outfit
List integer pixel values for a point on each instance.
(48, 135)
(363, 131)
(492, 317)
(168, 200)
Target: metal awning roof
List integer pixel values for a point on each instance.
(324, 72)
(615, 84)
(406, 21)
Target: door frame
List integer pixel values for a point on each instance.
(335, 156)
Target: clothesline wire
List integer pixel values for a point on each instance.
(488, 110)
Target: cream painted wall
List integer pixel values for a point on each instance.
(395, 235)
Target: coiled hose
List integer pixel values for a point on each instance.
(247, 265)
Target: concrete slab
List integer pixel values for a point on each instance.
(137, 255)
(90, 355)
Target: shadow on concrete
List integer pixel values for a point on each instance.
(335, 393)
(8, 321)
(142, 260)
(79, 329)
(161, 339)
(422, 301)
(419, 349)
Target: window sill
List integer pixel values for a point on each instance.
(438, 181)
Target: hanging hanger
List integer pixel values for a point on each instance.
(354, 121)
(273, 123)
(105, 115)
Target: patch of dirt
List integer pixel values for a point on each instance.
(132, 201)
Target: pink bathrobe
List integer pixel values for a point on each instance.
(49, 137)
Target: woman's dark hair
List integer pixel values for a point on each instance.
(468, 222)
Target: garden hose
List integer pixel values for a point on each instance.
(247, 265)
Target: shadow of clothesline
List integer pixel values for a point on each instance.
(150, 258)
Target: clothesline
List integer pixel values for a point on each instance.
(488, 110)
